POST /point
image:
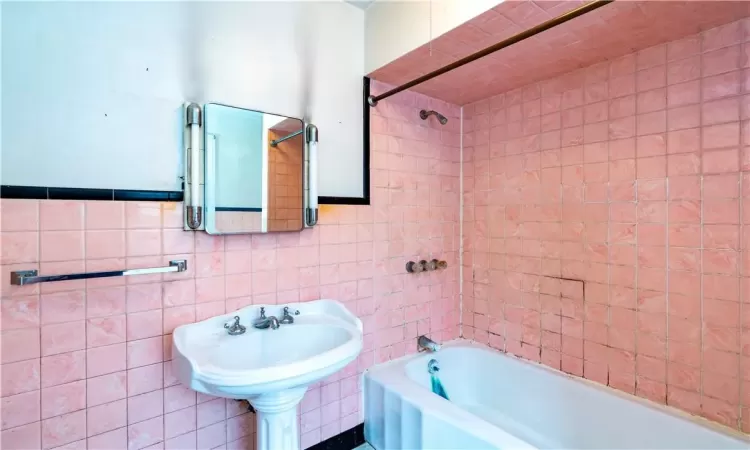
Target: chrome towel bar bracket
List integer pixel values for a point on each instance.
(24, 277)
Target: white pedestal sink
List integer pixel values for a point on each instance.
(270, 368)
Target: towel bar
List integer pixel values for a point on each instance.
(23, 277)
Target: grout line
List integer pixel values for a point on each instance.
(461, 227)
(608, 243)
(560, 240)
(41, 306)
(86, 328)
(701, 36)
(740, 270)
(636, 291)
(666, 232)
(666, 288)
(700, 250)
(740, 244)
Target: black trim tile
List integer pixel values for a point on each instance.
(235, 209)
(57, 193)
(148, 196)
(30, 192)
(343, 201)
(346, 440)
(78, 194)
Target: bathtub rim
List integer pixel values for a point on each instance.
(401, 379)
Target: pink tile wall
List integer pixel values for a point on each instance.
(85, 364)
(607, 223)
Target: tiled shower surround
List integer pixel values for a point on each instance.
(86, 364)
(607, 223)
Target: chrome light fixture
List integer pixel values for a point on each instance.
(311, 182)
(193, 205)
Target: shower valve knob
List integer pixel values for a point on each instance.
(415, 267)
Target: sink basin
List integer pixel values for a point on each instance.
(270, 368)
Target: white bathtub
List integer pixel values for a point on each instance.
(498, 401)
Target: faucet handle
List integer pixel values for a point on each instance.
(262, 312)
(286, 311)
(233, 324)
(235, 328)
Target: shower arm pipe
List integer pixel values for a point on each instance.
(278, 141)
(533, 31)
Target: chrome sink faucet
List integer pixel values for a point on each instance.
(273, 322)
(235, 328)
(264, 322)
(288, 317)
(425, 343)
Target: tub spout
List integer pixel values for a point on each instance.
(425, 343)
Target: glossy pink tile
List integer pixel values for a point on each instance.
(180, 422)
(104, 360)
(143, 242)
(106, 388)
(20, 312)
(19, 377)
(144, 324)
(19, 247)
(145, 406)
(117, 438)
(105, 244)
(64, 398)
(178, 397)
(20, 409)
(63, 368)
(144, 352)
(105, 330)
(146, 433)
(107, 417)
(61, 245)
(62, 307)
(63, 429)
(61, 215)
(19, 215)
(64, 337)
(143, 215)
(26, 436)
(145, 379)
(105, 215)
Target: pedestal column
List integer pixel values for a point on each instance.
(276, 415)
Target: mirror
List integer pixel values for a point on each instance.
(254, 166)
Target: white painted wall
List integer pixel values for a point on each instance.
(94, 91)
(394, 28)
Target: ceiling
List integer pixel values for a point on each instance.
(606, 33)
(362, 4)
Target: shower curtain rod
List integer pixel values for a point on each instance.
(533, 31)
